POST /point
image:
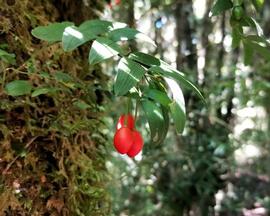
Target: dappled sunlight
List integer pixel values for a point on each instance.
(247, 117)
(246, 152)
(73, 32)
(199, 7)
(176, 91)
(125, 69)
(103, 51)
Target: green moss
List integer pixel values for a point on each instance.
(51, 150)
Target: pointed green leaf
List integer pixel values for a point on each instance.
(42, 90)
(177, 107)
(145, 59)
(156, 121)
(92, 28)
(7, 57)
(129, 34)
(237, 32)
(75, 36)
(18, 87)
(52, 32)
(178, 117)
(128, 75)
(102, 49)
(63, 77)
(158, 96)
(158, 66)
(262, 48)
(81, 105)
(254, 24)
(248, 53)
(72, 38)
(178, 76)
(166, 124)
(221, 6)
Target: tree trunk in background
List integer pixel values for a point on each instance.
(52, 158)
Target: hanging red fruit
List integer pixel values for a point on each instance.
(125, 121)
(137, 144)
(123, 140)
(117, 2)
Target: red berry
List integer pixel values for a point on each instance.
(137, 144)
(125, 121)
(123, 140)
(117, 2)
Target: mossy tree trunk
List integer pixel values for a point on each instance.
(52, 157)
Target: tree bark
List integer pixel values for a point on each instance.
(51, 157)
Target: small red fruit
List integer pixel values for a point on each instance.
(125, 121)
(123, 140)
(117, 2)
(137, 144)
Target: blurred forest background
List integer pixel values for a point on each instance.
(220, 165)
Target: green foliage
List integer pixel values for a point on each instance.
(18, 88)
(129, 34)
(51, 33)
(186, 173)
(156, 120)
(42, 90)
(7, 57)
(51, 108)
(131, 70)
(102, 49)
(239, 18)
(129, 74)
(158, 96)
(221, 6)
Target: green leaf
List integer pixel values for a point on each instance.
(18, 88)
(177, 107)
(44, 74)
(145, 59)
(178, 117)
(7, 57)
(160, 67)
(237, 32)
(254, 24)
(166, 124)
(81, 105)
(156, 120)
(75, 36)
(248, 53)
(129, 34)
(63, 77)
(72, 38)
(221, 6)
(128, 75)
(102, 49)
(178, 76)
(257, 39)
(158, 96)
(92, 28)
(262, 48)
(52, 32)
(42, 90)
